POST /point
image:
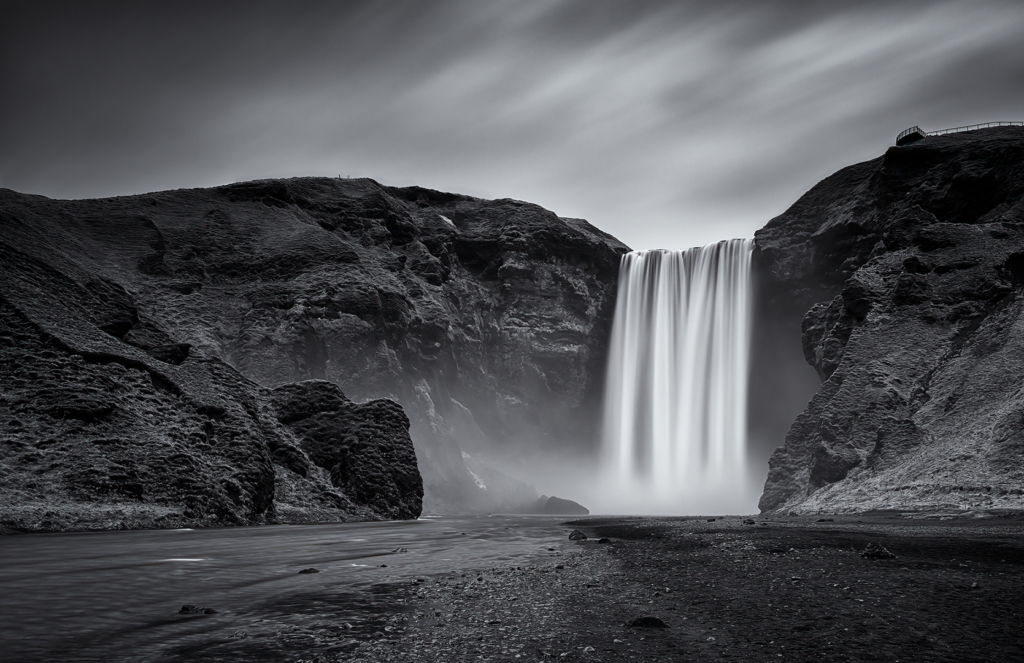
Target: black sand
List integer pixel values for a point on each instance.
(786, 589)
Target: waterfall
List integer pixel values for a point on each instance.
(674, 436)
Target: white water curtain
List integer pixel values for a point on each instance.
(676, 395)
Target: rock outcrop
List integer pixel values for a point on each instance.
(365, 446)
(175, 324)
(910, 269)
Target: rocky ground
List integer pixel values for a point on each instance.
(781, 589)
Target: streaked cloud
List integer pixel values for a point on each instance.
(667, 124)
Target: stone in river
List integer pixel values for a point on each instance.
(189, 609)
(875, 551)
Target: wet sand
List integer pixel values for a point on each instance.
(787, 589)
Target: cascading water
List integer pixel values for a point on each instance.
(676, 395)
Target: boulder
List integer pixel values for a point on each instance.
(563, 507)
(364, 447)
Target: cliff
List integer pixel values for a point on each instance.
(172, 327)
(106, 422)
(910, 270)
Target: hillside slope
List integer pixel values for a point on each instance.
(106, 422)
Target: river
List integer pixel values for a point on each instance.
(115, 596)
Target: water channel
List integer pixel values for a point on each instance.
(115, 596)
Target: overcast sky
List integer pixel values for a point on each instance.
(668, 124)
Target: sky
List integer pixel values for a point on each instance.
(667, 124)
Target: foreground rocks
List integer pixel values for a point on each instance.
(910, 269)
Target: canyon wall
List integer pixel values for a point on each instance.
(908, 272)
(486, 321)
(265, 351)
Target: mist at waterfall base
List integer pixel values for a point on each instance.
(675, 410)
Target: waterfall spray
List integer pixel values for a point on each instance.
(674, 437)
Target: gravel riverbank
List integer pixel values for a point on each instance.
(790, 590)
(796, 589)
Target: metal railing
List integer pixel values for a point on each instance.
(912, 130)
(973, 127)
(954, 130)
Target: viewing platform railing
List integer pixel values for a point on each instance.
(914, 134)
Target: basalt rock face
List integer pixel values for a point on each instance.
(107, 422)
(910, 269)
(485, 320)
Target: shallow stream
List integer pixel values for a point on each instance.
(115, 596)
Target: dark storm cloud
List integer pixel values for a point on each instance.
(665, 123)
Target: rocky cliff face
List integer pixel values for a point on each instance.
(910, 269)
(485, 320)
(108, 422)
